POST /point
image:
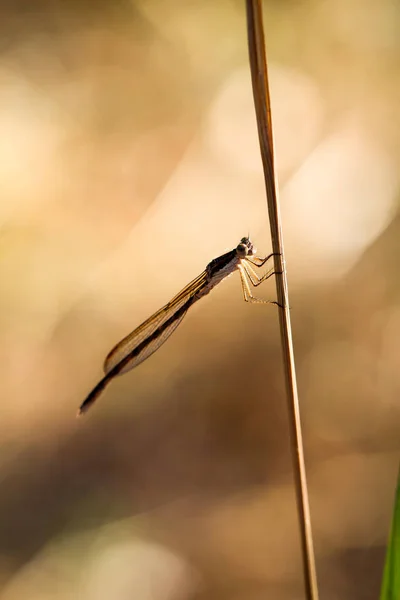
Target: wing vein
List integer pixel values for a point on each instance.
(138, 336)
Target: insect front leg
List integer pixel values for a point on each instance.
(258, 262)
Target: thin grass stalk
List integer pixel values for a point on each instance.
(259, 76)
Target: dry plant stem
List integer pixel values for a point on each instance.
(259, 77)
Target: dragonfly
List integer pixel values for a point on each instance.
(143, 341)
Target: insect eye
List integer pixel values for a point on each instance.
(244, 241)
(242, 249)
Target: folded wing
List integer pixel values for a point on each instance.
(151, 334)
(146, 339)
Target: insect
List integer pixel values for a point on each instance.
(150, 335)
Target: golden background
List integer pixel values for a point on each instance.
(128, 160)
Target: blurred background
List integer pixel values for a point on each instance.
(128, 160)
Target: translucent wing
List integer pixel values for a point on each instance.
(147, 338)
(144, 339)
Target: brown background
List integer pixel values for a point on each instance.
(128, 160)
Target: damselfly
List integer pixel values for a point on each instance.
(150, 335)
